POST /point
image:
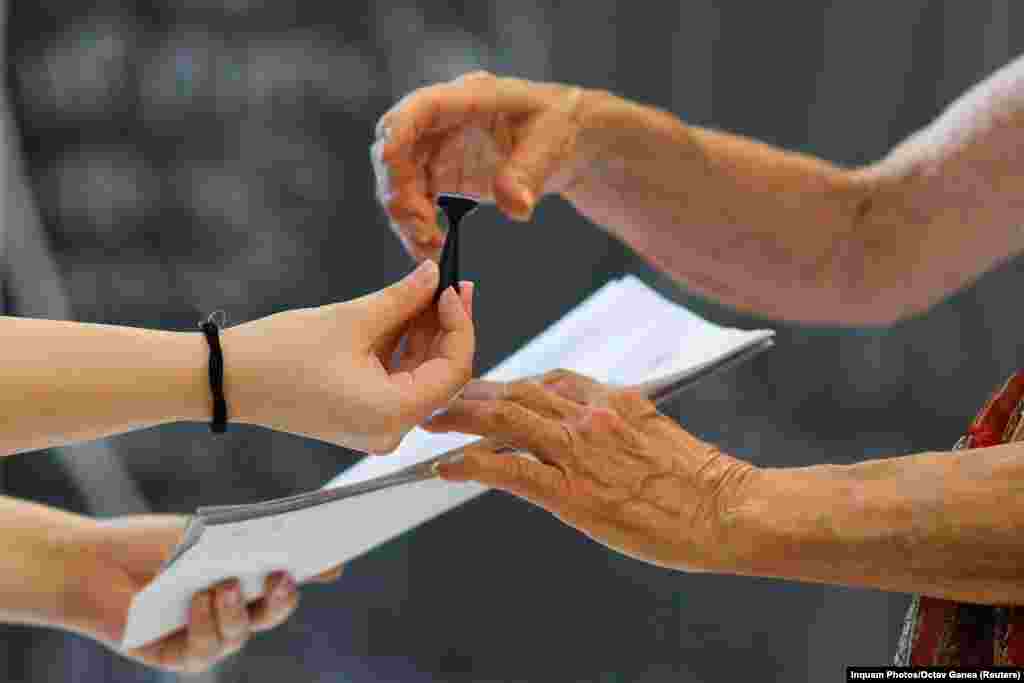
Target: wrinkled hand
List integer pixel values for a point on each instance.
(505, 140)
(125, 556)
(607, 463)
(340, 372)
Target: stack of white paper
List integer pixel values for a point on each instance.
(625, 333)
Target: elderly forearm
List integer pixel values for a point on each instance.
(753, 226)
(947, 525)
(790, 236)
(43, 561)
(64, 382)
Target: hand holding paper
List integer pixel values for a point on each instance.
(124, 554)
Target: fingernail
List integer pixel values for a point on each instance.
(284, 589)
(450, 299)
(525, 200)
(232, 596)
(436, 413)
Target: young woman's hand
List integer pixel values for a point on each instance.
(341, 372)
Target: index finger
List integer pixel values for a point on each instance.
(575, 387)
(529, 393)
(439, 108)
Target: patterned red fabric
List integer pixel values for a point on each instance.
(945, 633)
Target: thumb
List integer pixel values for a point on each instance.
(392, 307)
(437, 380)
(545, 146)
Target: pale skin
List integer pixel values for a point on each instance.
(339, 373)
(767, 231)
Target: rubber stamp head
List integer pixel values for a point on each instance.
(456, 207)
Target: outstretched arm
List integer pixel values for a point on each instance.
(63, 382)
(773, 232)
(946, 525)
(786, 235)
(330, 372)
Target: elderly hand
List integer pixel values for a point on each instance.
(126, 553)
(505, 140)
(332, 372)
(608, 464)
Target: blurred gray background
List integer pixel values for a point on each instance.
(189, 155)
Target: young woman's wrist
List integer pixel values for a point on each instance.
(194, 395)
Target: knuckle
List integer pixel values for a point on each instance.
(502, 415)
(630, 396)
(600, 419)
(517, 469)
(631, 402)
(521, 389)
(562, 375)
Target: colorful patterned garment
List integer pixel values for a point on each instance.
(944, 633)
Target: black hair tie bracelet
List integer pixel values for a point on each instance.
(220, 407)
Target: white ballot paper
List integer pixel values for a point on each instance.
(625, 333)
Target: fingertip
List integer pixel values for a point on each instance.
(450, 304)
(514, 196)
(524, 203)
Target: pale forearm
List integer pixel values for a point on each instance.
(62, 382)
(44, 564)
(941, 524)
